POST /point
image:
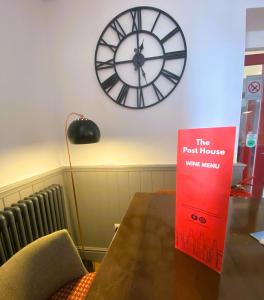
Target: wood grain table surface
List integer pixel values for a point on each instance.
(143, 264)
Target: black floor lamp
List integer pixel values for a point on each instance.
(79, 131)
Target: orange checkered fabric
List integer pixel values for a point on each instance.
(76, 289)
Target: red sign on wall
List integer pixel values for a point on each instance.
(203, 182)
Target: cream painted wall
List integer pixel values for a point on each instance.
(47, 70)
(208, 95)
(27, 115)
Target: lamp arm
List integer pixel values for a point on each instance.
(68, 117)
(72, 178)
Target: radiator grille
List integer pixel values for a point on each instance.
(30, 218)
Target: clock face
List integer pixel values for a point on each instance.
(140, 57)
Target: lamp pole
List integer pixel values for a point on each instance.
(80, 131)
(72, 177)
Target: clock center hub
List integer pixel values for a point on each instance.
(138, 60)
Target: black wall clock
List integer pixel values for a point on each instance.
(140, 57)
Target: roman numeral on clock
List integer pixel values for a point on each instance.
(175, 55)
(110, 82)
(110, 46)
(156, 20)
(157, 92)
(121, 99)
(116, 26)
(136, 19)
(170, 76)
(169, 35)
(101, 65)
(140, 98)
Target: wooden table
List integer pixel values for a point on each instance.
(142, 263)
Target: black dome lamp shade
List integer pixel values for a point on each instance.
(80, 131)
(83, 131)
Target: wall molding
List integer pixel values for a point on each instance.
(237, 169)
(125, 168)
(10, 188)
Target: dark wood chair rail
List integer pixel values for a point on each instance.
(142, 263)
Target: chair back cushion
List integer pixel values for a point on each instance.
(41, 268)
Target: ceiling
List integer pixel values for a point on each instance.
(255, 19)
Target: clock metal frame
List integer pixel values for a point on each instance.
(139, 59)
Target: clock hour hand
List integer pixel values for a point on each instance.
(141, 47)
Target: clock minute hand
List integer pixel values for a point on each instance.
(144, 75)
